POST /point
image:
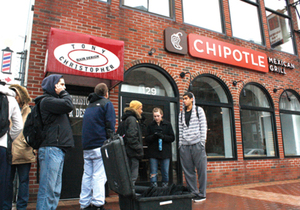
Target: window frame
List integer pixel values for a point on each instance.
(222, 16)
(284, 111)
(172, 9)
(270, 110)
(260, 19)
(230, 107)
(291, 24)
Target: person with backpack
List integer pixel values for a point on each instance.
(55, 106)
(159, 138)
(22, 156)
(192, 138)
(99, 119)
(9, 112)
(130, 130)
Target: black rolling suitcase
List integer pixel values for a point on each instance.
(119, 180)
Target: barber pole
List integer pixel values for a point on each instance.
(6, 60)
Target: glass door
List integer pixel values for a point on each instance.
(148, 106)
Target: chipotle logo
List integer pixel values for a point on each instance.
(86, 58)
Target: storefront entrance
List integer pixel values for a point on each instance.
(152, 87)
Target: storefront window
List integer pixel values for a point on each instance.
(290, 123)
(245, 20)
(279, 22)
(257, 119)
(160, 7)
(197, 13)
(147, 81)
(213, 97)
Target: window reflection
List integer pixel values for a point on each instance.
(280, 32)
(245, 21)
(160, 7)
(258, 138)
(147, 81)
(290, 123)
(254, 97)
(219, 142)
(197, 12)
(257, 125)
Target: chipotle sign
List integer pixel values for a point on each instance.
(211, 49)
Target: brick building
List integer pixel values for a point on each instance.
(239, 58)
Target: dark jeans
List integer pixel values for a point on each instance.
(164, 168)
(23, 192)
(4, 174)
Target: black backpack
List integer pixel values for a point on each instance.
(33, 128)
(4, 126)
(122, 129)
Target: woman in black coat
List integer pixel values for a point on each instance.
(159, 130)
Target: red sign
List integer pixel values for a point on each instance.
(84, 55)
(211, 49)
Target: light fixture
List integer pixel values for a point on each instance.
(235, 84)
(153, 50)
(284, 90)
(182, 75)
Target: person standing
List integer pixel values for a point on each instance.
(159, 152)
(133, 136)
(22, 156)
(55, 106)
(99, 118)
(192, 138)
(14, 115)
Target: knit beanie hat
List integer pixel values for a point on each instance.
(22, 93)
(135, 104)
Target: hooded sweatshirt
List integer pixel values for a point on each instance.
(14, 115)
(54, 111)
(196, 131)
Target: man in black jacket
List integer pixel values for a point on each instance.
(55, 106)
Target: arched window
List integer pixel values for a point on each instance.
(257, 120)
(289, 106)
(214, 97)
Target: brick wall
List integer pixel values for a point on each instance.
(142, 31)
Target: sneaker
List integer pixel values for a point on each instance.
(198, 199)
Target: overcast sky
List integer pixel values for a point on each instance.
(13, 22)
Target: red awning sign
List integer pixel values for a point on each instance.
(87, 58)
(84, 55)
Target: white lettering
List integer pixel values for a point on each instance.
(246, 56)
(227, 51)
(261, 61)
(252, 59)
(234, 55)
(213, 49)
(195, 45)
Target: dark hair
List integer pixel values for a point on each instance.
(101, 89)
(189, 94)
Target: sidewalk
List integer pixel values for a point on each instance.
(283, 195)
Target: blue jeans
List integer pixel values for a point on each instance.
(23, 192)
(93, 179)
(51, 161)
(4, 174)
(164, 168)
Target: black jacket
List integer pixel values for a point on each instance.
(133, 134)
(165, 128)
(57, 127)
